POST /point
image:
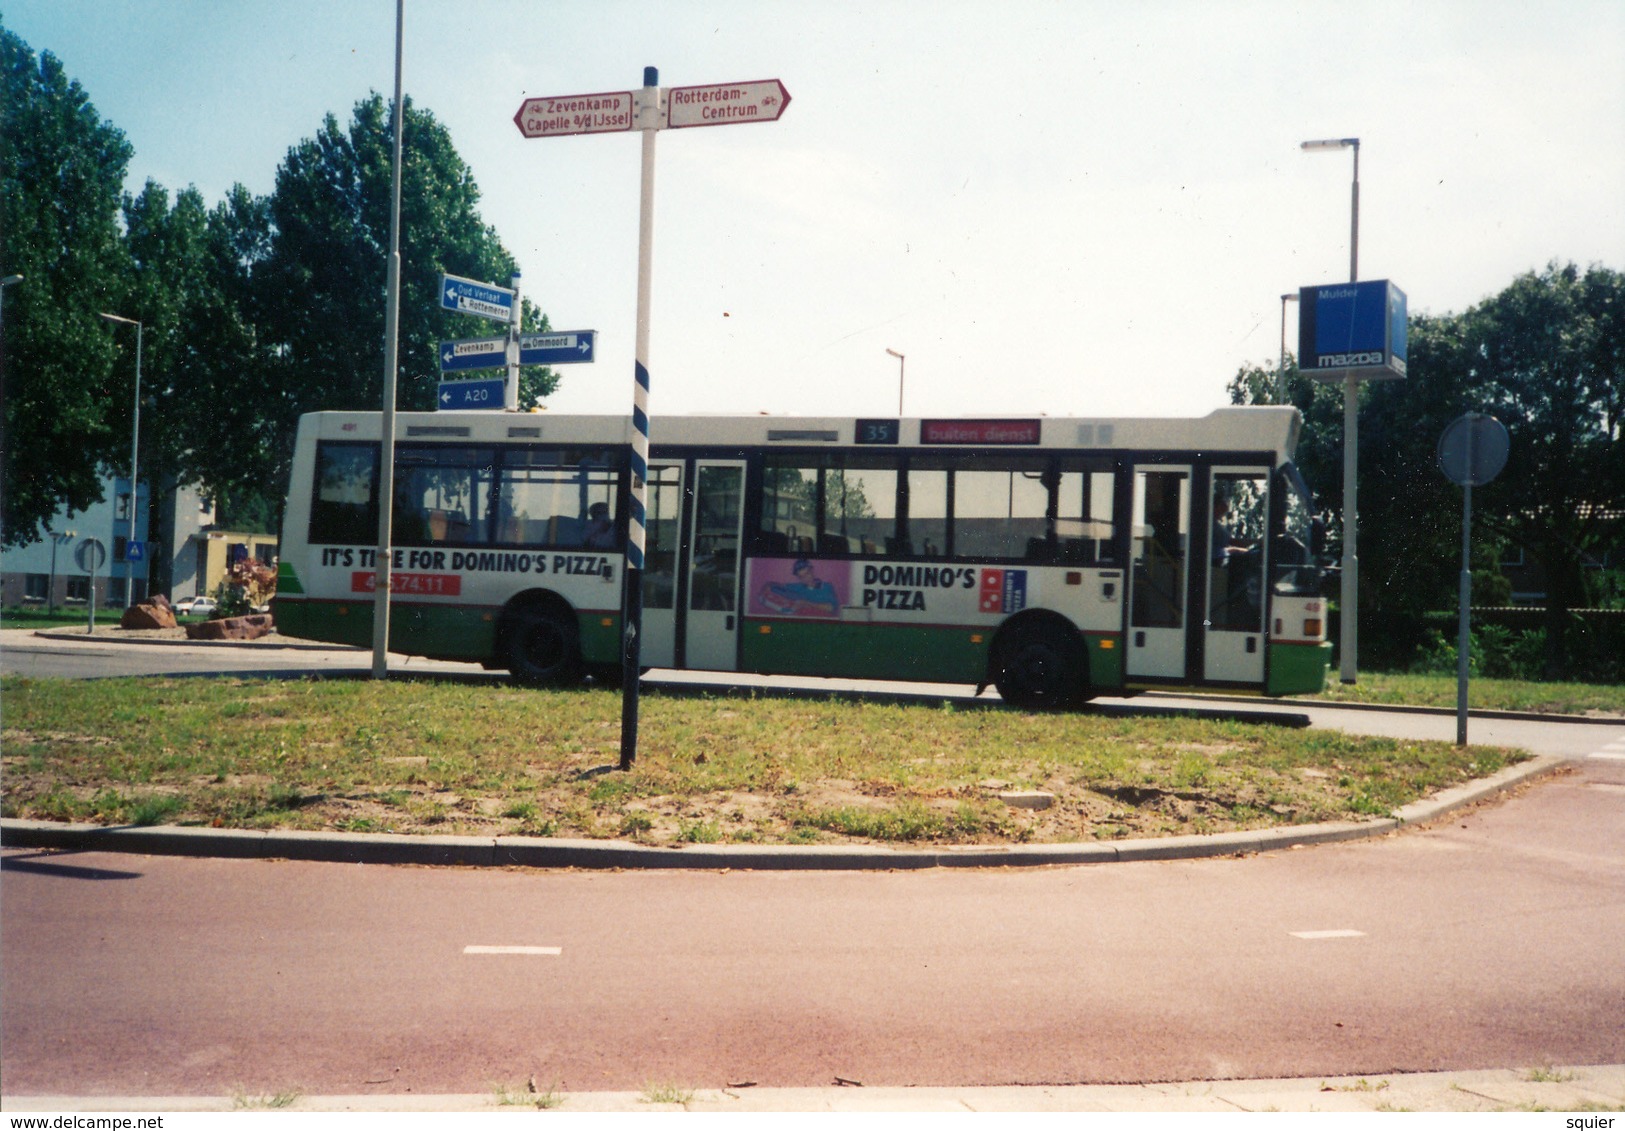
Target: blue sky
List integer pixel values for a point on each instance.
(1077, 208)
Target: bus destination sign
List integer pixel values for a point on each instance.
(980, 432)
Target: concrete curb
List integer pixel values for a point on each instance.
(1572, 1088)
(548, 852)
(110, 636)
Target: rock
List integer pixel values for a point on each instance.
(232, 628)
(148, 614)
(1027, 799)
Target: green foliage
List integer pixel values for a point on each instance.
(1493, 651)
(1546, 356)
(66, 403)
(254, 312)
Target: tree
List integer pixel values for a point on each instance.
(66, 403)
(321, 283)
(1546, 355)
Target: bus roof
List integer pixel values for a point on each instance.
(1240, 429)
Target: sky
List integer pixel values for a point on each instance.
(1085, 208)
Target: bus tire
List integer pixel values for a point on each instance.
(543, 646)
(1038, 665)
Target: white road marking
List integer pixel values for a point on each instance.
(513, 950)
(1343, 934)
(1609, 757)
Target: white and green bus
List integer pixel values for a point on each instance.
(1053, 558)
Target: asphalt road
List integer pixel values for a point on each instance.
(1492, 941)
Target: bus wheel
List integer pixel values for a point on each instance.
(1038, 666)
(543, 647)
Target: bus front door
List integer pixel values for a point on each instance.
(663, 517)
(711, 635)
(1233, 628)
(1159, 573)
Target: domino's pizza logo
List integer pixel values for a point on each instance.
(1003, 591)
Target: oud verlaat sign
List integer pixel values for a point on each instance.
(1352, 330)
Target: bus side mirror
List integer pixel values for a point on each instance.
(1317, 537)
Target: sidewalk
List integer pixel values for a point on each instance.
(1594, 1088)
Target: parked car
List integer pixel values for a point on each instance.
(196, 606)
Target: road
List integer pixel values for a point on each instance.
(1489, 940)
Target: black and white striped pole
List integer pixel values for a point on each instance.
(650, 118)
(647, 110)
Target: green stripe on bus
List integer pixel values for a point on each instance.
(864, 651)
(442, 632)
(287, 581)
(1298, 669)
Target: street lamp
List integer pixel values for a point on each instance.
(57, 539)
(1280, 372)
(899, 358)
(1351, 437)
(135, 447)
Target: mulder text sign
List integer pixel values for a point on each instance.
(1352, 330)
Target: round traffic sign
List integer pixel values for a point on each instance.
(90, 554)
(1473, 449)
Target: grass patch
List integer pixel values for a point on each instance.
(455, 758)
(1424, 690)
(665, 1093)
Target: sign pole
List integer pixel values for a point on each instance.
(1463, 635)
(386, 446)
(1472, 451)
(649, 122)
(510, 395)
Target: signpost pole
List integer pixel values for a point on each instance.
(386, 454)
(1463, 636)
(510, 395)
(648, 121)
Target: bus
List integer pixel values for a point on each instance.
(1055, 559)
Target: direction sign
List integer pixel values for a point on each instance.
(469, 296)
(575, 114)
(726, 103)
(557, 349)
(473, 353)
(471, 394)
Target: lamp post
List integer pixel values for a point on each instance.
(135, 448)
(57, 539)
(1351, 438)
(1280, 371)
(899, 358)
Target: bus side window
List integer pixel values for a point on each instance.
(344, 511)
(927, 532)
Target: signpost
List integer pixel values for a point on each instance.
(648, 110)
(469, 296)
(91, 554)
(473, 353)
(1472, 451)
(725, 104)
(567, 348)
(455, 395)
(568, 114)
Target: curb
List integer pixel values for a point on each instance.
(546, 852)
(1599, 1087)
(79, 636)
